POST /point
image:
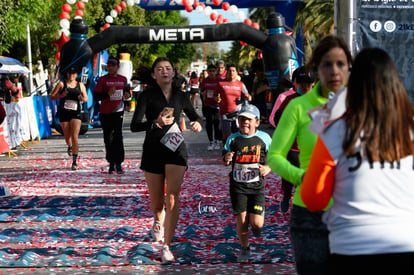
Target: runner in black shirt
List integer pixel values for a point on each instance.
(164, 156)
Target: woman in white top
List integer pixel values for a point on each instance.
(365, 160)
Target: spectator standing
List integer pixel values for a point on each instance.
(211, 109)
(365, 161)
(303, 82)
(70, 93)
(111, 89)
(246, 152)
(229, 94)
(331, 59)
(7, 89)
(164, 156)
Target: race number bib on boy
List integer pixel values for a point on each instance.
(246, 172)
(70, 105)
(117, 95)
(173, 138)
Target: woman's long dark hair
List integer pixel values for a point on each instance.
(379, 110)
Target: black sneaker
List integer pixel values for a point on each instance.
(256, 232)
(244, 255)
(70, 150)
(119, 169)
(111, 168)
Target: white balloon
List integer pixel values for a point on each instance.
(113, 13)
(137, 2)
(85, 1)
(199, 9)
(71, 2)
(191, 2)
(207, 11)
(109, 19)
(130, 3)
(233, 9)
(64, 23)
(241, 16)
(65, 31)
(179, 2)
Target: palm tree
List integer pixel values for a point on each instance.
(316, 19)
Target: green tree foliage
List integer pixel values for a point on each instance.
(316, 19)
(43, 16)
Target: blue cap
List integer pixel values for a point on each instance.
(249, 111)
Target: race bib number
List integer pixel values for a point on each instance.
(117, 95)
(71, 105)
(173, 138)
(246, 172)
(210, 94)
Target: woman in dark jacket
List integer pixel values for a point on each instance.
(164, 156)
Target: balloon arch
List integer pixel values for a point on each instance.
(278, 48)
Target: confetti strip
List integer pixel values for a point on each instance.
(84, 219)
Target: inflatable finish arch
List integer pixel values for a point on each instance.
(278, 49)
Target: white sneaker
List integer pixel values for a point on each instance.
(166, 254)
(157, 232)
(217, 146)
(210, 147)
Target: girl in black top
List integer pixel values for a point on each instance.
(164, 156)
(71, 93)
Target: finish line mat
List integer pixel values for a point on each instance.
(58, 217)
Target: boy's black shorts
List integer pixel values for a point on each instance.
(250, 203)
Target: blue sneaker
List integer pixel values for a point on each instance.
(4, 191)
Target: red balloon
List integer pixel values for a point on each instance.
(219, 21)
(196, 3)
(66, 7)
(123, 4)
(213, 16)
(217, 2)
(225, 6)
(64, 15)
(203, 5)
(79, 13)
(62, 40)
(186, 3)
(189, 8)
(248, 21)
(80, 5)
(107, 25)
(256, 25)
(220, 17)
(226, 20)
(118, 9)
